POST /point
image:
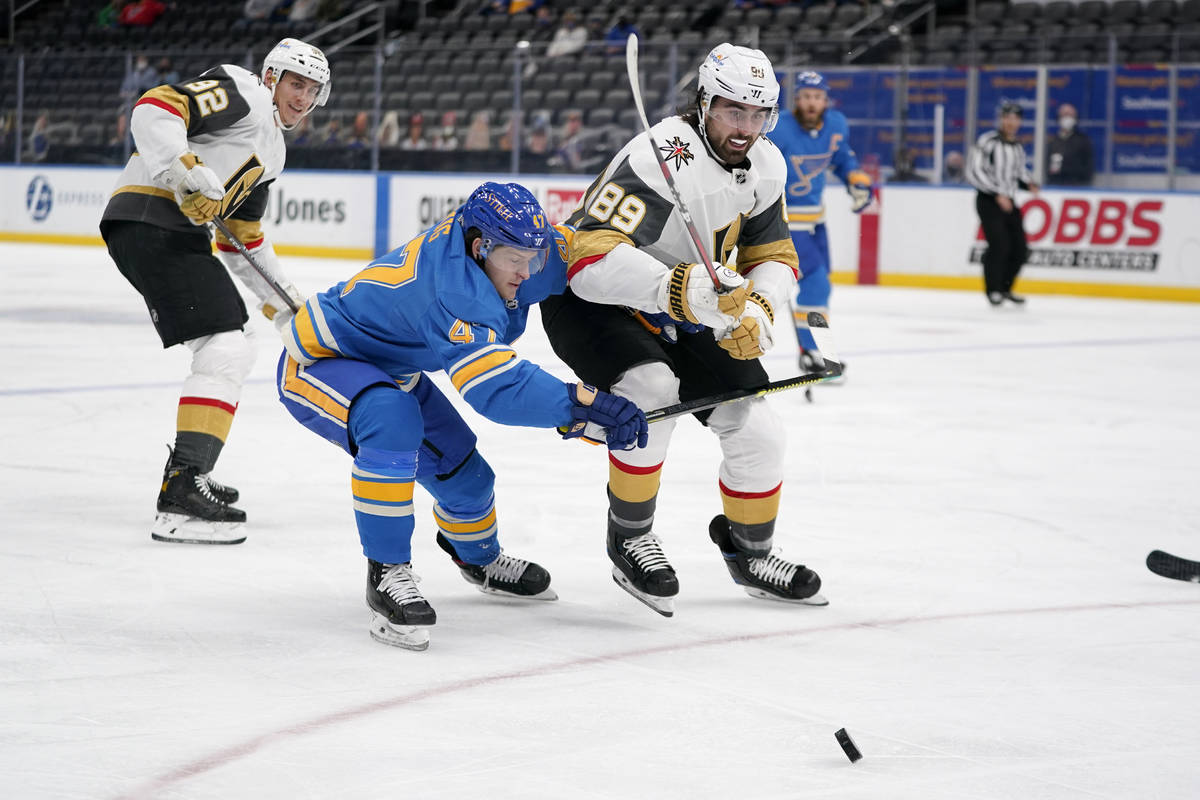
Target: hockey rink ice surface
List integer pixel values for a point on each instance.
(979, 498)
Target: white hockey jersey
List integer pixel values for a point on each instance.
(739, 208)
(226, 117)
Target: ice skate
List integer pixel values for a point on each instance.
(768, 577)
(190, 513)
(400, 615)
(506, 576)
(223, 493)
(1015, 299)
(641, 568)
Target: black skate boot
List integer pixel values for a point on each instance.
(768, 577)
(641, 568)
(189, 512)
(508, 576)
(400, 615)
(226, 494)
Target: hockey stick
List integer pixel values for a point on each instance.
(833, 369)
(1170, 566)
(223, 227)
(631, 66)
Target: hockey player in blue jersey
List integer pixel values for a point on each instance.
(814, 138)
(353, 371)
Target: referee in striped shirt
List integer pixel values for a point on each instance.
(997, 169)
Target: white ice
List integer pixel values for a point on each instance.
(979, 498)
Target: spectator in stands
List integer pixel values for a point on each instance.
(107, 16)
(166, 73)
(389, 130)
(479, 134)
(143, 78)
(141, 13)
(619, 33)
(1069, 160)
(952, 170)
(120, 130)
(360, 137)
(539, 138)
(415, 138)
(905, 169)
(446, 136)
(569, 38)
(506, 139)
(303, 10)
(39, 139)
(333, 134)
(569, 154)
(302, 134)
(259, 9)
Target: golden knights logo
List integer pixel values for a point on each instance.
(677, 150)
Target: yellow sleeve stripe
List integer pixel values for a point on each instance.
(169, 100)
(782, 251)
(809, 216)
(306, 335)
(589, 244)
(492, 358)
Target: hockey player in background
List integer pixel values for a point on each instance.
(642, 320)
(814, 138)
(205, 147)
(453, 299)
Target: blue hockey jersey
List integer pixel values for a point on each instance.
(427, 306)
(808, 154)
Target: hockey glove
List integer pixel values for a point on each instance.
(602, 417)
(858, 183)
(687, 294)
(663, 326)
(197, 188)
(276, 309)
(754, 334)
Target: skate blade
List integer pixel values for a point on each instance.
(408, 637)
(663, 605)
(816, 600)
(546, 594)
(190, 530)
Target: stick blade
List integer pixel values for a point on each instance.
(818, 326)
(1174, 567)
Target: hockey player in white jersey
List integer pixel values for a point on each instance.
(206, 147)
(642, 320)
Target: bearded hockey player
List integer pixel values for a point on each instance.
(643, 321)
(208, 147)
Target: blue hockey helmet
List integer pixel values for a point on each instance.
(508, 215)
(811, 80)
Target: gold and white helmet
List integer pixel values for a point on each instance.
(740, 74)
(302, 58)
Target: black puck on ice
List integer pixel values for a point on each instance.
(848, 745)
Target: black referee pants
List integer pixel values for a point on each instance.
(1006, 245)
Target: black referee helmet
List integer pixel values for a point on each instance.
(1009, 107)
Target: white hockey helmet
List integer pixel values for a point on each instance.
(302, 58)
(740, 74)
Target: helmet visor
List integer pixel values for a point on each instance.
(509, 258)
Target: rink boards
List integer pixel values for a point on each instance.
(1088, 242)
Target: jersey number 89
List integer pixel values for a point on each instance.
(624, 212)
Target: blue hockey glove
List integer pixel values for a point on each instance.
(602, 417)
(859, 185)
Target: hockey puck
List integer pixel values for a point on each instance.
(848, 745)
